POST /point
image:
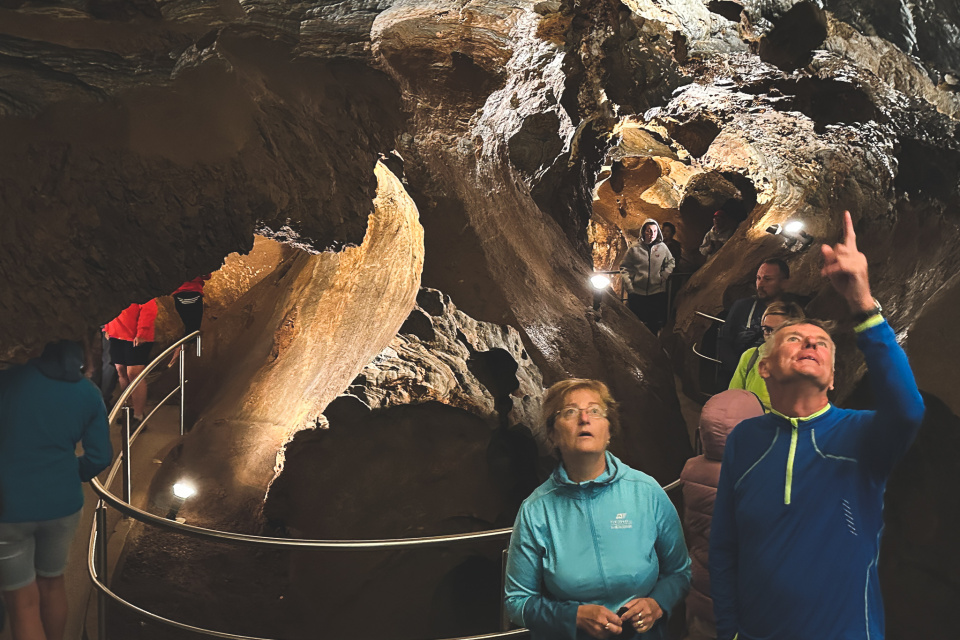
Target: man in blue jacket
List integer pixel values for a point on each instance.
(46, 408)
(799, 509)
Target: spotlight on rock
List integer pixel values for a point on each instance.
(794, 237)
(181, 491)
(600, 281)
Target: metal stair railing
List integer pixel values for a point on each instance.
(97, 551)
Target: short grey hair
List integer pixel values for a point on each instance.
(827, 325)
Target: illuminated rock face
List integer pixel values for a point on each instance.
(282, 350)
(144, 141)
(449, 397)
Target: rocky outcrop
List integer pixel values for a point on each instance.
(454, 383)
(431, 438)
(144, 141)
(277, 356)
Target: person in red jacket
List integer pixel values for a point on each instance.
(131, 339)
(188, 300)
(699, 480)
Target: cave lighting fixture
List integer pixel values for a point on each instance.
(181, 491)
(794, 237)
(600, 281)
(184, 490)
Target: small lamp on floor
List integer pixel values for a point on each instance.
(181, 491)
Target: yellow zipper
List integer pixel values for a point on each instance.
(788, 486)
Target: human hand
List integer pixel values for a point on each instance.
(846, 268)
(598, 621)
(136, 342)
(642, 613)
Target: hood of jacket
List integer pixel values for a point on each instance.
(61, 360)
(721, 414)
(615, 469)
(657, 238)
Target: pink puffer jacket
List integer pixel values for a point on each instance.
(700, 477)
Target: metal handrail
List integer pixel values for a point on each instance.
(694, 345)
(704, 356)
(709, 317)
(97, 551)
(103, 588)
(146, 370)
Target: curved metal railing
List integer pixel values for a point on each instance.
(693, 347)
(97, 551)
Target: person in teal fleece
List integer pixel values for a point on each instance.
(597, 550)
(799, 510)
(46, 408)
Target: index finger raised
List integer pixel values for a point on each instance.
(849, 235)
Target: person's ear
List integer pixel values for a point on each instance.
(763, 368)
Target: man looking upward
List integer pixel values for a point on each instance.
(799, 508)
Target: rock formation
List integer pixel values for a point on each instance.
(145, 141)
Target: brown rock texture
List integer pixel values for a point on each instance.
(431, 438)
(280, 352)
(145, 141)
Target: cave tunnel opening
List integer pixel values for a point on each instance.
(643, 178)
(730, 10)
(827, 101)
(794, 37)
(925, 170)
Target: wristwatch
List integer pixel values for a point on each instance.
(863, 316)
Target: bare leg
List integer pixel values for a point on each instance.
(139, 395)
(176, 354)
(23, 605)
(53, 606)
(122, 377)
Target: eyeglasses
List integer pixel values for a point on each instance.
(593, 411)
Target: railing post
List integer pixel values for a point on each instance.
(125, 452)
(504, 620)
(183, 382)
(102, 569)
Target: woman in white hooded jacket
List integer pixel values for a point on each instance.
(646, 268)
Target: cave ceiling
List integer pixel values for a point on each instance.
(518, 145)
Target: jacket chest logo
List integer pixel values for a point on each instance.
(621, 522)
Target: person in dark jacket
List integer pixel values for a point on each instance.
(741, 330)
(699, 480)
(798, 516)
(47, 406)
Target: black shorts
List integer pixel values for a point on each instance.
(123, 352)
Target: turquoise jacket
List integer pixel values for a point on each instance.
(46, 408)
(605, 541)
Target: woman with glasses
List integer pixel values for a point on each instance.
(747, 376)
(597, 550)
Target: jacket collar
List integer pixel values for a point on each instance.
(797, 422)
(609, 474)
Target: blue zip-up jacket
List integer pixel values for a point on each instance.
(46, 408)
(799, 510)
(605, 541)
